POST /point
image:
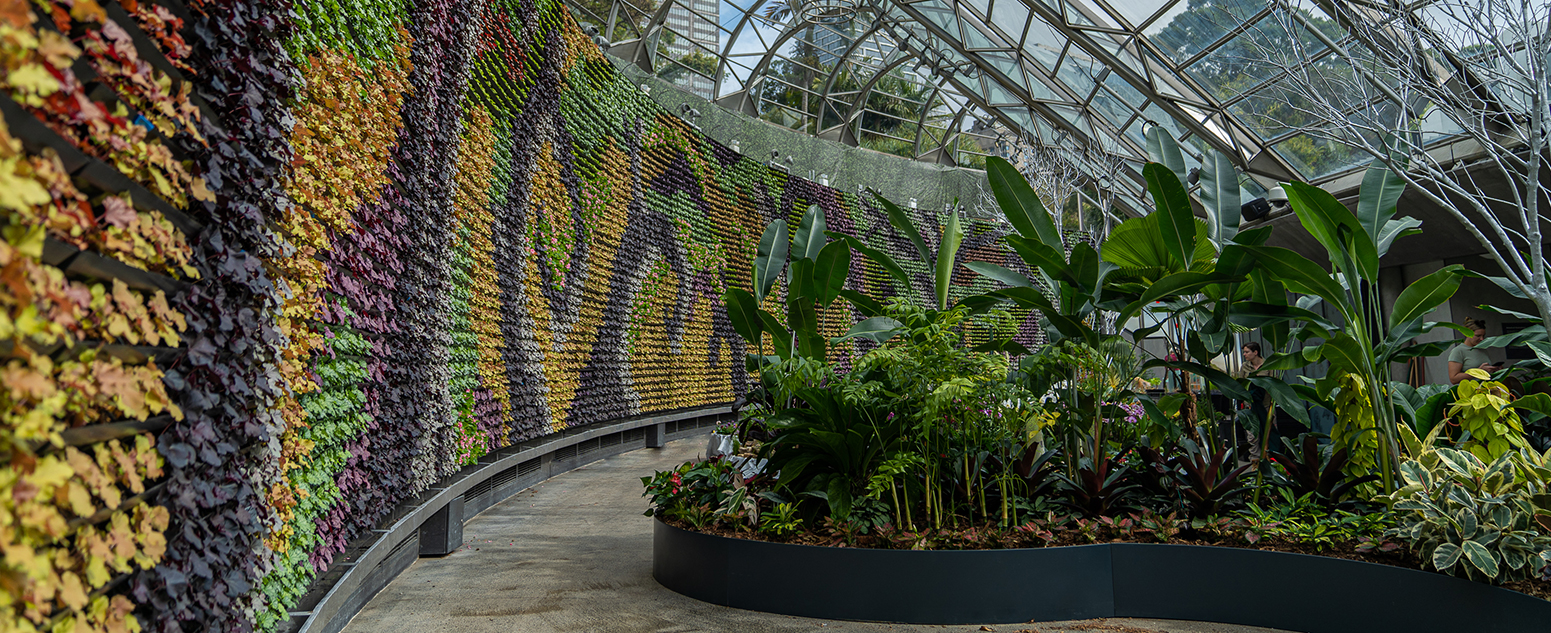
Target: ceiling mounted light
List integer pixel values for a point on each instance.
(828, 11)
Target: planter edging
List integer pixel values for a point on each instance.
(1296, 592)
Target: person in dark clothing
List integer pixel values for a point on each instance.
(1253, 417)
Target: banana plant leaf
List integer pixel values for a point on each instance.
(743, 311)
(809, 239)
(1020, 204)
(1177, 223)
(770, 259)
(876, 329)
(905, 225)
(947, 250)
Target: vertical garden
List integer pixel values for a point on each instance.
(270, 269)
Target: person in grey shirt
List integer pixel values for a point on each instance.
(1465, 355)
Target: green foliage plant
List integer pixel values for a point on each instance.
(1309, 469)
(1470, 518)
(1489, 425)
(830, 448)
(780, 521)
(697, 492)
(1306, 519)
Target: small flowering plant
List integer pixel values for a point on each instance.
(696, 491)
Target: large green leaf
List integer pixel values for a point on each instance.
(809, 239)
(1065, 324)
(802, 316)
(1175, 285)
(1085, 267)
(1283, 362)
(999, 273)
(1177, 224)
(868, 306)
(1050, 261)
(881, 258)
(829, 274)
(1137, 247)
(778, 334)
(1509, 287)
(1298, 273)
(876, 329)
(1267, 290)
(1542, 351)
(799, 280)
(1220, 196)
(1162, 148)
(980, 304)
(1426, 293)
(1284, 396)
(770, 259)
(1509, 313)
(1345, 354)
(1020, 204)
(1323, 216)
(743, 311)
(1376, 200)
(1394, 230)
(1480, 557)
(905, 225)
(952, 236)
(1535, 402)
(1219, 379)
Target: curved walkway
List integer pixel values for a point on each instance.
(574, 554)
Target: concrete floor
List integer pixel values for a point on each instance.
(575, 554)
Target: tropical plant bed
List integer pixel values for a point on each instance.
(1251, 586)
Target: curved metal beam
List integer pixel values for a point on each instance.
(925, 111)
(866, 92)
(758, 71)
(721, 60)
(952, 133)
(829, 84)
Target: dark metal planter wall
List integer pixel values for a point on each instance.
(1295, 592)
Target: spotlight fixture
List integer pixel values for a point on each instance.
(1255, 209)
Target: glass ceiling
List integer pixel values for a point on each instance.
(953, 81)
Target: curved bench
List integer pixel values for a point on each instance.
(432, 524)
(1298, 592)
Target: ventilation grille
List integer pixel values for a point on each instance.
(528, 467)
(412, 539)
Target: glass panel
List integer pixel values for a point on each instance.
(1136, 12)
(1077, 71)
(1436, 124)
(1315, 158)
(1190, 27)
(1037, 87)
(1043, 43)
(1242, 61)
(1005, 63)
(1125, 91)
(941, 16)
(974, 39)
(1076, 17)
(999, 95)
(1111, 108)
(1010, 16)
